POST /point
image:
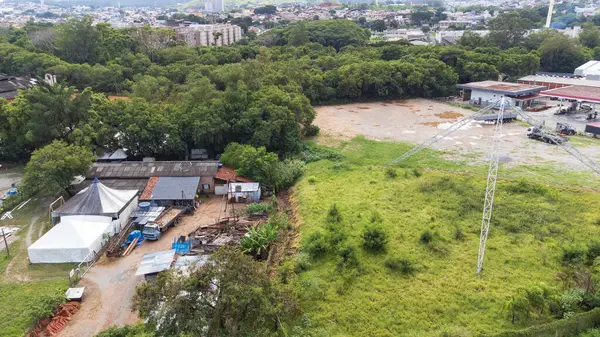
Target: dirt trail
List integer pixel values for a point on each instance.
(9, 274)
(110, 284)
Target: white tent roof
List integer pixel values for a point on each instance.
(71, 240)
(97, 199)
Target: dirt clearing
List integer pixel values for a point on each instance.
(416, 120)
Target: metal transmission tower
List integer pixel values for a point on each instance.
(427, 143)
(490, 189)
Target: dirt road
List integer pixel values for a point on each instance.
(416, 120)
(110, 284)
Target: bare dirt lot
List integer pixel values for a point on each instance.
(110, 284)
(416, 120)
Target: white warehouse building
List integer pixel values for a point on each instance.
(488, 92)
(209, 35)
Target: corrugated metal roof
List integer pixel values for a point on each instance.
(560, 80)
(137, 169)
(502, 87)
(171, 188)
(156, 262)
(582, 93)
(117, 184)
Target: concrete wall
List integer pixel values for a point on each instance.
(487, 98)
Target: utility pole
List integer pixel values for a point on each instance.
(5, 242)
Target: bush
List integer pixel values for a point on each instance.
(593, 252)
(416, 172)
(458, 234)
(401, 265)
(333, 215)
(572, 256)
(302, 263)
(312, 180)
(317, 245)
(374, 239)
(347, 257)
(523, 186)
(336, 237)
(376, 217)
(391, 172)
(258, 208)
(426, 237)
(259, 239)
(311, 131)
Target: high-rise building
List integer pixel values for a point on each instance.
(209, 35)
(214, 6)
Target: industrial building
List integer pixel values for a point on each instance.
(209, 35)
(488, 92)
(9, 85)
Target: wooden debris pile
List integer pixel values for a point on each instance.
(208, 238)
(51, 327)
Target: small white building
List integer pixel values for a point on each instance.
(244, 192)
(489, 92)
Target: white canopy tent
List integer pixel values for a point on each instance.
(71, 240)
(98, 199)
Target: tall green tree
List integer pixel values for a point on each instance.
(298, 35)
(560, 54)
(231, 295)
(590, 36)
(53, 167)
(46, 113)
(78, 40)
(508, 29)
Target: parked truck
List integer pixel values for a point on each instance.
(152, 231)
(537, 133)
(565, 129)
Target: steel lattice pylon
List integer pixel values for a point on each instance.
(494, 160)
(490, 189)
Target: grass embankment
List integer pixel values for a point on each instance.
(27, 291)
(531, 223)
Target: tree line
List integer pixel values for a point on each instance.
(261, 94)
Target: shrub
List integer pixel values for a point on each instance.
(572, 255)
(438, 247)
(259, 239)
(401, 265)
(426, 237)
(376, 217)
(258, 208)
(374, 239)
(334, 215)
(311, 131)
(593, 252)
(523, 186)
(416, 172)
(317, 245)
(336, 237)
(347, 257)
(312, 180)
(458, 234)
(302, 263)
(391, 172)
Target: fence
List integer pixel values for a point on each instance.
(568, 327)
(78, 273)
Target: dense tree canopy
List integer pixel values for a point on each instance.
(53, 167)
(230, 295)
(560, 54)
(508, 29)
(260, 94)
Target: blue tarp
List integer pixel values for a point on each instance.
(132, 236)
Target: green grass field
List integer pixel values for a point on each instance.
(531, 223)
(26, 289)
(21, 302)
